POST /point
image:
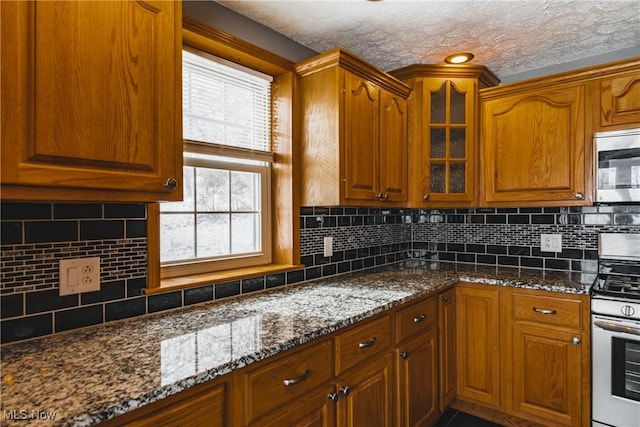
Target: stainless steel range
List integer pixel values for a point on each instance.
(615, 330)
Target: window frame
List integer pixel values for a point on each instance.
(186, 267)
(284, 174)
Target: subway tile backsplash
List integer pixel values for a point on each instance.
(35, 236)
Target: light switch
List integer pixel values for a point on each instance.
(73, 276)
(328, 246)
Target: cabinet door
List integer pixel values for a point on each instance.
(447, 347)
(201, 405)
(272, 384)
(477, 345)
(546, 369)
(90, 99)
(366, 395)
(393, 148)
(361, 138)
(313, 410)
(620, 100)
(418, 381)
(449, 140)
(534, 148)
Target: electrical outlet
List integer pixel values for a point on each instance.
(551, 242)
(328, 246)
(79, 275)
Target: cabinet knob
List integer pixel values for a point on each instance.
(379, 196)
(345, 390)
(334, 397)
(404, 354)
(385, 196)
(171, 184)
(445, 299)
(579, 196)
(576, 340)
(425, 197)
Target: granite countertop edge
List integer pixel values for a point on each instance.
(420, 282)
(203, 377)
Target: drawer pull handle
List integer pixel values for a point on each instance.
(419, 318)
(298, 380)
(367, 344)
(544, 311)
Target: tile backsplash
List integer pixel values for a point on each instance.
(35, 236)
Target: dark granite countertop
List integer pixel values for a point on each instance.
(90, 375)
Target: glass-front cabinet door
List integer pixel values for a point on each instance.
(448, 140)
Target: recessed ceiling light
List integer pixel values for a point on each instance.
(459, 58)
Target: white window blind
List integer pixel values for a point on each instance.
(225, 106)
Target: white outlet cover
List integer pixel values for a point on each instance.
(79, 275)
(551, 243)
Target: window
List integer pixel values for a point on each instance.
(253, 182)
(223, 221)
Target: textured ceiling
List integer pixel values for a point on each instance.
(509, 37)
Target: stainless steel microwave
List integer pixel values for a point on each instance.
(617, 166)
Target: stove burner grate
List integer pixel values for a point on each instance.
(620, 285)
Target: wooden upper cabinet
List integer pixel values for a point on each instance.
(534, 147)
(620, 100)
(91, 100)
(394, 173)
(353, 133)
(362, 136)
(443, 132)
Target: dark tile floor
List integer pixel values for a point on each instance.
(453, 418)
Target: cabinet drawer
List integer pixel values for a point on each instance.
(359, 343)
(562, 311)
(416, 318)
(286, 379)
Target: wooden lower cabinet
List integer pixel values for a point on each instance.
(548, 359)
(447, 347)
(477, 344)
(417, 381)
(545, 374)
(523, 354)
(203, 405)
(313, 410)
(365, 395)
(285, 379)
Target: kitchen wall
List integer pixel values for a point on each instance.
(511, 236)
(35, 236)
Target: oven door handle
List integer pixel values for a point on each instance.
(608, 326)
